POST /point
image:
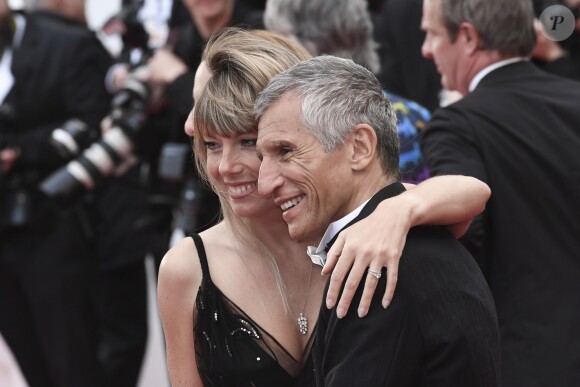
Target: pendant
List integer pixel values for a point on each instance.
(302, 324)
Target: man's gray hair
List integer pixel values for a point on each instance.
(335, 27)
(337, 95)
(503, 25)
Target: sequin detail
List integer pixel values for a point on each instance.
(208, 340)
(246, 329)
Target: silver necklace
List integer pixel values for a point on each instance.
(302, 320)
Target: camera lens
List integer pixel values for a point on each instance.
(102, 157)
(71, 138)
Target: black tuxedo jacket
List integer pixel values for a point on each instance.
(59, 74)
(519, 131)
(440, 329)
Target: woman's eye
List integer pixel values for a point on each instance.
(249, 142)
(210, 145)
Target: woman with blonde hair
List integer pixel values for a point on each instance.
(239, 302)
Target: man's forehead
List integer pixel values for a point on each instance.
(431, 8)
(271, 135)
(278, 133)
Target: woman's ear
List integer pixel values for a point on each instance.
(363, 142)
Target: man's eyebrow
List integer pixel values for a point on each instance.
(271, 144)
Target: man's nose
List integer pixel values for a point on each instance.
(270, 177)
(426, 49)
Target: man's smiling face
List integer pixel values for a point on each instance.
(310, 186)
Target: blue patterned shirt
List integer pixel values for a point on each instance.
(411, 120)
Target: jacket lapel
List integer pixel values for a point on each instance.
(389, 191)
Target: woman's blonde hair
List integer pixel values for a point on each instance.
(241, 64)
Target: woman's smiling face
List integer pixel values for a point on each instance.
(233, 166)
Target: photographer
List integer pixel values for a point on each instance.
(105, 177)
(176, 199)
(49, 74)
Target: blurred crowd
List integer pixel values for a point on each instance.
(96, 171)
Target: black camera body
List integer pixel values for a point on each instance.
(102, 157)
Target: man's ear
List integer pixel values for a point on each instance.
(470, 37)
(363, 142)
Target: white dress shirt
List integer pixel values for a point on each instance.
(318, 254)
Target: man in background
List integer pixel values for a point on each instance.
(518, 130)
(118, 206)
(49, 74)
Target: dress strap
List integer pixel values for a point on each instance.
(202, 257)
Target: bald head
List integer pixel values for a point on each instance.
(202, 75)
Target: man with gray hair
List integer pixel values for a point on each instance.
(517, 129)
(344, 28)
(329, 148)
(337, 27)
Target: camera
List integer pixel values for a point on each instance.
(128, 113)
(71, 138)
(102, 157)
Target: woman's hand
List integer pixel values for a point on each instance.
(378, 241)
(361, 247)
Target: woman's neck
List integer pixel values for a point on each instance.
(272, 231)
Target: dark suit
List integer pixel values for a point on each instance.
(118, 205)
(519, 131)
(440, 329)
(46, 269)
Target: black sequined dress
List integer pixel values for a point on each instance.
(232, 350)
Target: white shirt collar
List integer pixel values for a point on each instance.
(494, 66)
(338, 225)
(6, 60)
(20, 22)
(6, 77)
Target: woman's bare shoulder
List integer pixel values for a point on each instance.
(180, 274)
(181, 264)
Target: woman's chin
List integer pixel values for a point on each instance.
(253, 210)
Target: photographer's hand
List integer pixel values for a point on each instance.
(119, 74)
(165, 67)
(8, 157)
(106, 124)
